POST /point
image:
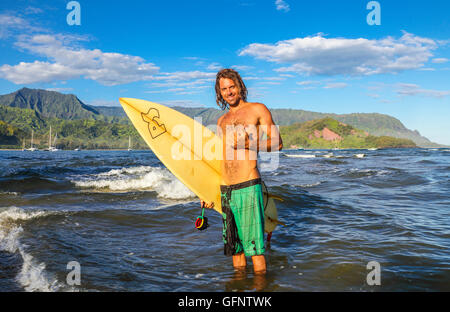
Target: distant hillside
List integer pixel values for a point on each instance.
(9, 134)
(374, 123)
(329, 133)
(16, 125)
(50, 104)
(40, 105)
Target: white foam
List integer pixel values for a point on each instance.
(9, 193)
(137, 179)
(310, 185)
(32, 275)
(17, 214)
(371, 172)
(130, 170)
(300, 156)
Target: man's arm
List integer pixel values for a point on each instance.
(267, 127)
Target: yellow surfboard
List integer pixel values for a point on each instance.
(192, 152)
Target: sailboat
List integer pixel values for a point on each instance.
(50, 147)
(129, 143)
(32, 148)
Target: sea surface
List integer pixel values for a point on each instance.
(129, 223)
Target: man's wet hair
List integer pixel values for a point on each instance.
(233, 75)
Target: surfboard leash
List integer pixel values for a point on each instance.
(202, 222)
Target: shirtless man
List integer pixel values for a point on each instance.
(242, 130)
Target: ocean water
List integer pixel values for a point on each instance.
(129, 223)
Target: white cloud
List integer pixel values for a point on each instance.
(183, 103)
(214, 66)
(60, 89)
(190, 75)
(335, 85)
(177, 83)
(271, 82)
(101, 102)
(287, 75)
(307, 82)
(241, 67)
(410, 89)
(439, 60)
(12, 25)
(192, 58)
(63, 57)
(427, 69)
(275, 78)
(25, 73)
(318, 55)
(67, 61)
(33, 10)
(181, 83)
(257, 92)
(282, 5)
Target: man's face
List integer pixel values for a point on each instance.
(229, 91)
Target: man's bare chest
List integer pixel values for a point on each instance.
(241, 119)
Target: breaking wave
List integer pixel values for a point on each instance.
(142, 178)
(32, 275)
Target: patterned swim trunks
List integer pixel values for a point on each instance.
(243, 218)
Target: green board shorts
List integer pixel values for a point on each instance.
(243, 218)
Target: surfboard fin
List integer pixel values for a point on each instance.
(274, 196)
(277, 221)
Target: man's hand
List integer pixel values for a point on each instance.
(206, 205)
(243, 136)
(241, 139)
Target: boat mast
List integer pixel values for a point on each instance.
(50, 139)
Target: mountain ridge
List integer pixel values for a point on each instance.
(329, 133)
(49, 104)
(52, 104)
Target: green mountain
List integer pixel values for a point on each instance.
(329, 133)
(75, 123)
(16, 125)
(35, 109)
(50, 104)
(374, 123)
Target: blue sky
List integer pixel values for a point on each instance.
(315, 55)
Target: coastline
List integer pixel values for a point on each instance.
(116, 149)
(284, 149)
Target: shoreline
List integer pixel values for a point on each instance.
(116, 149)
(284, 149)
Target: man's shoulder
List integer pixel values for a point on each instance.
(254, 106)
(258, 107)
(221, 118)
